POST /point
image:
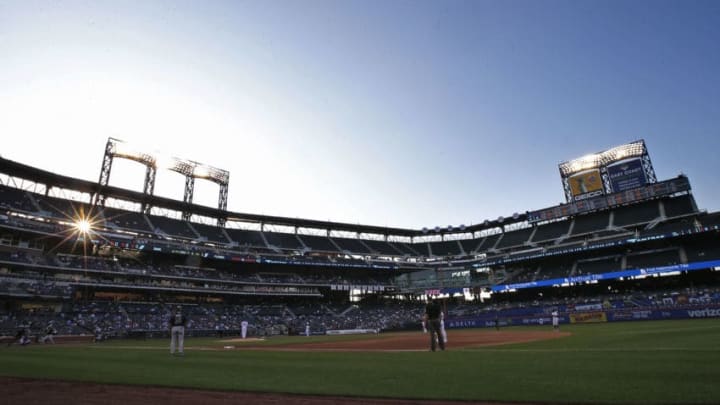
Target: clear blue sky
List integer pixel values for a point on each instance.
(398, 113)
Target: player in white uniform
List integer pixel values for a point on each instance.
(443, 334)
(243, 329)
(177, 332)
(555, 320)
(307, 328)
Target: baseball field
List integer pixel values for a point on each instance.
(664, 362)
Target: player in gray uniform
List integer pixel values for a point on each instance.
(177, 331)
(49, 332)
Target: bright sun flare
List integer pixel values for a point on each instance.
(83, 225)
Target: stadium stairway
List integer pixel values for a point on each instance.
(348, 310)
(197, 234)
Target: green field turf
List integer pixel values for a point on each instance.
(674, 362)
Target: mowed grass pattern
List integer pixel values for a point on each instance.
(634, 362)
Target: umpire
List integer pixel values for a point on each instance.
(432, 320)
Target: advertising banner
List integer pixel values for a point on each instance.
(586, 184)
(609, 276)
(588, 317)
(626, 175)
(709, 310)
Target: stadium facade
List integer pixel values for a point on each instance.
(66, 241)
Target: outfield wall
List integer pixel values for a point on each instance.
(608, 315)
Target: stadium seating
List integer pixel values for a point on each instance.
(488, 242)
(679, 206)
(318, 243)
(172, 227)
(246, 237)
(383, 248)
(711, 219)
(636, 214)
(598, 265)
(14, 198)
(287, 241)
(445, 248)
(67, 209)
(654, 258)
(354, 246)
(551, 231)
(515, 238)
(127, 220)
(590, 223)
(683, 224)
(469, 246)
(405, 248)
(211, 233)
(421, 249)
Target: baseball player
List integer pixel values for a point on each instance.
(49, 332)
(555, 320)
(432, 319)
(443, 334)
(307, 328)
(243, 329)
(22, 337)
(177, 331)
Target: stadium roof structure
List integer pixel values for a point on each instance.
(52, 179)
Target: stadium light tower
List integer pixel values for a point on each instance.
(153, 161)
(117, 148)
(615, 170)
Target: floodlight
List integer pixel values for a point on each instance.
(164, 162)
(201, 172)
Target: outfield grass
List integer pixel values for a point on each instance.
(640, 362)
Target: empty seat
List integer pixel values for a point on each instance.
(445, 248)
(321, 243)
(636, 214)
(514, 238)
(678, 206)
(173, 227)
(245, 237)
(382, 247)
(352, 245)
(129, 220)
(551, 231)
(591, 223)
(211, 233)
(281, 240)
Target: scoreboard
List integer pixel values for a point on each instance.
(659, 189)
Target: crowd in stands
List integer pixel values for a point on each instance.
(107, 319)
(586, 229)
(111, 319)
(108, 270)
